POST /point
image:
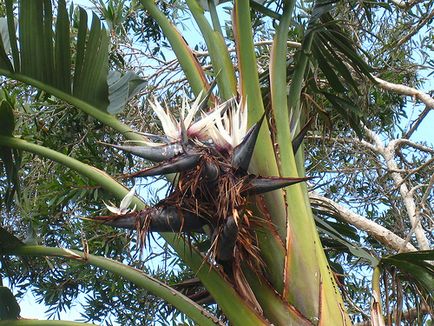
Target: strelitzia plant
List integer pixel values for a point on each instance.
(235, 153)
(212, 156)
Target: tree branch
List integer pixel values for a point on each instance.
(416, 123)
(415, 29)
(388, 154)
(378, 232)
(406, 90)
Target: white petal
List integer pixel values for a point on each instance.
(240, 124)
(208, 120)
(219, 141)
(112, 209)
(168, 123)
(223, 132)
(126, 201)
(193, 110)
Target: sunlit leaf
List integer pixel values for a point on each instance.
(122, 89)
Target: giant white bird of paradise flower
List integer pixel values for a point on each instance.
(211, 153)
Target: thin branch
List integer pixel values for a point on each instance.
(397, 143)
(415, 29)
(416, 123)
(406, 5)
(428, 190)
(343, 140)
(378, 232)
(388, 154)
(414, 171)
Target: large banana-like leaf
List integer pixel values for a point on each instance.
(43, 57)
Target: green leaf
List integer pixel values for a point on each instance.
(259, 7)
(9, 157)
(45, 56)
(90, 81)
(10, 16)
(417, 265)
(5, 45)
(122, 89)
(321, 8)
(9, 308)
(336, 61)
(4, 34)
(327, 70)
(62, 49)
(339, 42)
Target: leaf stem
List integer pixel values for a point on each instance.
(138, 277)
(100, 115)
(34, 322)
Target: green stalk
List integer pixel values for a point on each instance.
(301, 269)
(218, 52)
(278, 87)
(377, 318)
(234, 307)
(249, 80)
(307, 273)
(139, 278)
(99, 177)
(214, 17)
(191, 67)
(34, 322)
(264, 160)
(302, 60)
(275, 309)
(102, 116)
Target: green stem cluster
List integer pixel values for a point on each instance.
(139, 278)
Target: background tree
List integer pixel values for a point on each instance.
(373, 198)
